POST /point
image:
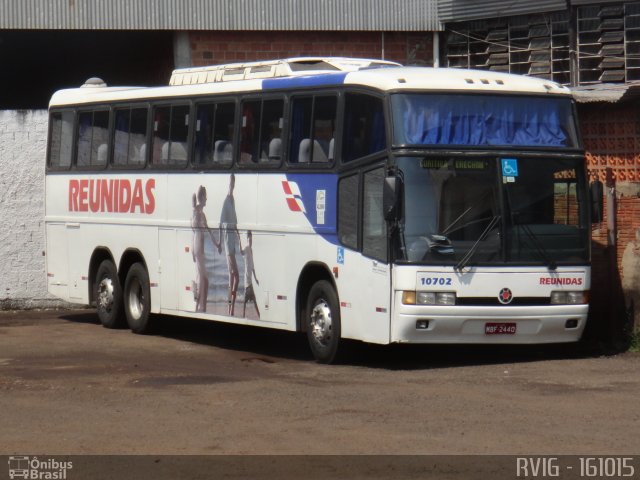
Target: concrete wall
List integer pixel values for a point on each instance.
(23, 140)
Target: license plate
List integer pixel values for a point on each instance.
(499, 328)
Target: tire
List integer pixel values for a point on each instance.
(108, 296)
(322, 317)
(137, 299)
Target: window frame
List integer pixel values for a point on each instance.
(363, 173)
(58, 168)
(338, 128)
(358, 176)
(76, 135)
(383, 97)
(214, 100)
(180, 102)
(261, 97)
(128, 106)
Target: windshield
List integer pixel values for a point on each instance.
(489, 211)
(483, 120)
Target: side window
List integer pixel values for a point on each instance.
(130, 137)
(214, 134)
(348, 190)
(170, 133)
(374, 227)
(271, 131)
(93, 133)
(60, 139)
(83, 145)
(261, 131)
(566, 203)
(364, 131)
(313, 120)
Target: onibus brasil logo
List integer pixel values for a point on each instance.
(33, 468)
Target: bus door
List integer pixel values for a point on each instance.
(365, 274)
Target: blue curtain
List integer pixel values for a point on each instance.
(482, 120)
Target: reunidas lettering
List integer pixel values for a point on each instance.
(560, 281)
(113, 195)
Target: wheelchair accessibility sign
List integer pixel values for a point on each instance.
(509, 169)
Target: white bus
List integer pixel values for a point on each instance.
(345, 198)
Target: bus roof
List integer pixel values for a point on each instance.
(380, 75)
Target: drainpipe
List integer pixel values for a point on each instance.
(436, 49)
(612, 234)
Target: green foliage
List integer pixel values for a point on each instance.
(634, 341)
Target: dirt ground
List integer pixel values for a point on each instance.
(69, 386)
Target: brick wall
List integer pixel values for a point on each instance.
(23, 138)
(211, 48)
(612, 141)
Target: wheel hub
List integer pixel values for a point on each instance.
(136, 300)
(321, 322)
(105, 295)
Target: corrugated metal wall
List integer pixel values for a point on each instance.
(396, 15)
(463, 10)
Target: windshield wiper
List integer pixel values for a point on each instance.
(467, 257)
(551, 264)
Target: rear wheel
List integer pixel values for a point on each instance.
(137, 299)
(108, 296)
(323, 322)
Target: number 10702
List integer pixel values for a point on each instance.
(435, 281)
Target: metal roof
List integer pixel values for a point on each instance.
(463, 10)
(606, 93)
(371, 15)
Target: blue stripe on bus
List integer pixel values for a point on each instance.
(304, 81)
(309, 184)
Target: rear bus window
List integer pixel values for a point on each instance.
(60, 139)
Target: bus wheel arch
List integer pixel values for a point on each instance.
(128, 259)
(319, 312)
(311, 273)
(99, 255)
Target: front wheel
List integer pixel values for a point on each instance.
(137, 299)
(323, 321)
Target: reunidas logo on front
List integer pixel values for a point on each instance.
(36, 469)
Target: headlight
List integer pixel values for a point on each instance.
(428, 298)
(569, 298)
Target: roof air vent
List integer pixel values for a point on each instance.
(94, 82)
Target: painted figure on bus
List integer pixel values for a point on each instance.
(228, 235)
(200, 228)
(249, 275)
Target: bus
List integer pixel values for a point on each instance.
(345, 198)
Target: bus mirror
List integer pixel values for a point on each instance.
(390, 196)
(596, 190)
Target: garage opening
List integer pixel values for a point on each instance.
(37, 63)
